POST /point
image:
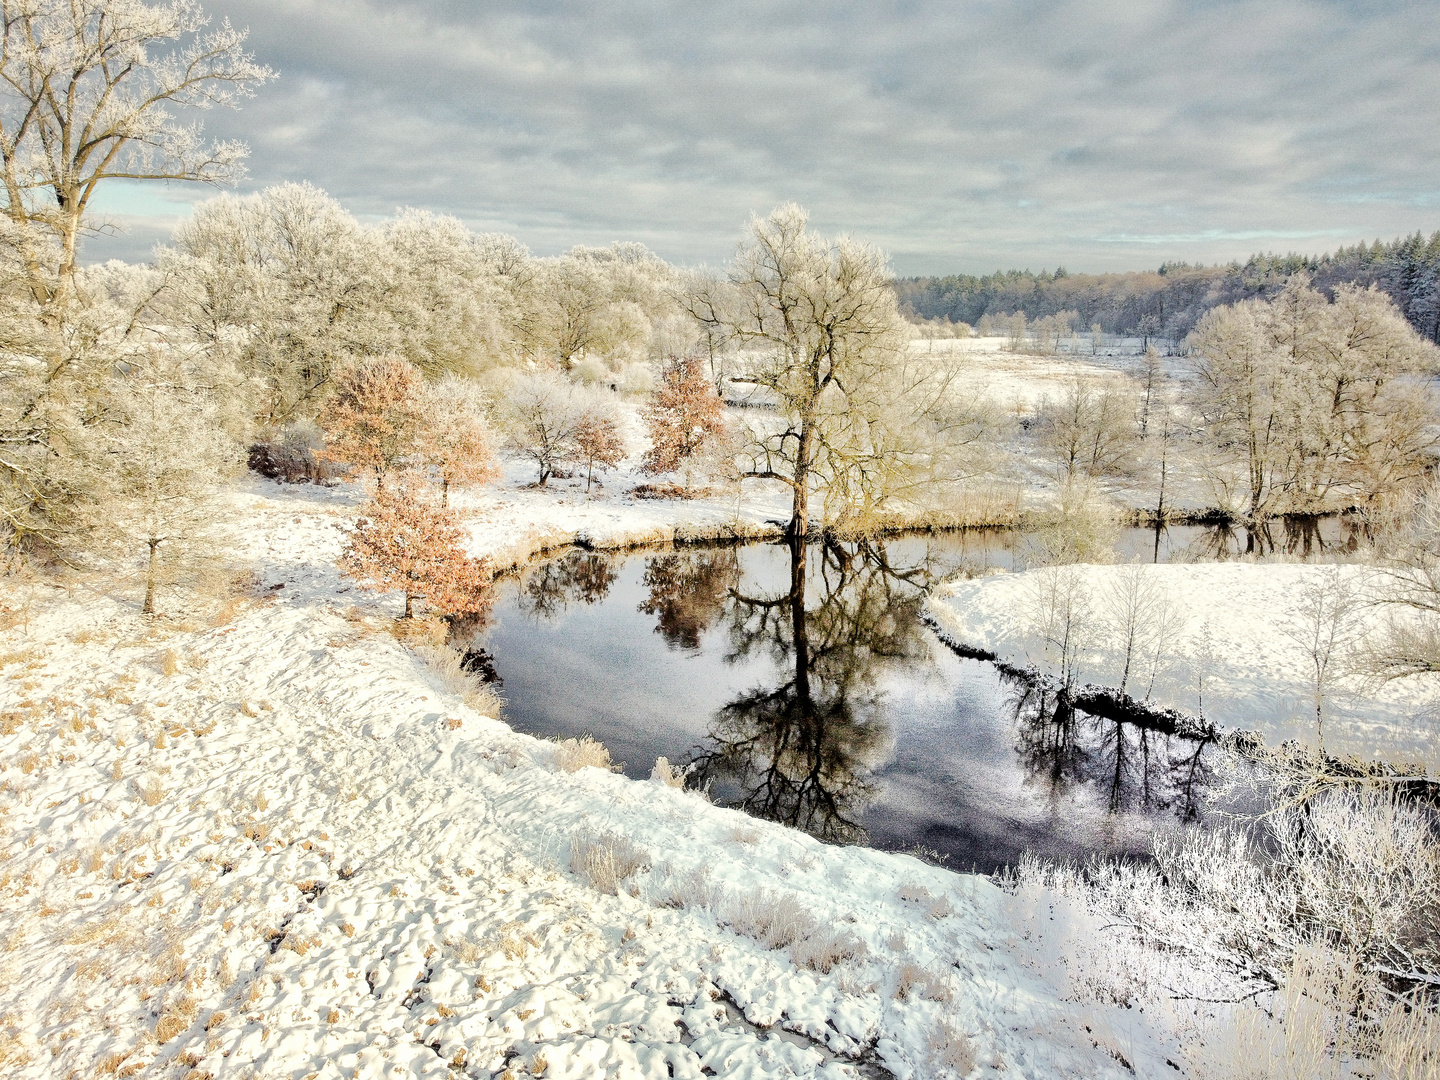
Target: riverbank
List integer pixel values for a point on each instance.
(264, 837)
(1227, 645)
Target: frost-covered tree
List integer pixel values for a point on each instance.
(157, 467)
(90, 91)
(1087, 432)
(685, 419)
(87, 89)
(288, 284)
(540, 414)
(455, 440)
(453, 313)
(401, 542)
(1316, 400)
(859, 417)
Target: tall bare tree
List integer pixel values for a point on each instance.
(820, 335)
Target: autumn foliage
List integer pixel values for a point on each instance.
(597, 444)
(375, 420)
(403, 542)
(685, 418)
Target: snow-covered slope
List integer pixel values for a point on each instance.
(277, 846)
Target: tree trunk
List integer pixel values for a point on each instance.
(800, 508)
(149, 608)
(444, 491)
(409, 602)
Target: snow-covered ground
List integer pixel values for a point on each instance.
(272, 843)
(1233, 633)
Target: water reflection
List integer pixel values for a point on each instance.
(1137, 769)
(804, 688)
(688, 591)
(805, 751)
(1302, 535)
(577, 577)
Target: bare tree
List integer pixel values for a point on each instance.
(1087, 433)
(1323, 623)
(822, 337)
(1133, 603)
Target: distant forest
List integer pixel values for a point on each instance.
(1169, 302)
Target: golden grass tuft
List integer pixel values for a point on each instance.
(606, 859)
(572, 755)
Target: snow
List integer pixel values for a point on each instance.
(1235, 624)
(271, 843)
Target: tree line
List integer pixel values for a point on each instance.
(1171, 301)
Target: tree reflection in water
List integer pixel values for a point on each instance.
(688, 592)
(1135, 768)
(577, 577)
(1303, 535)
(804, 752)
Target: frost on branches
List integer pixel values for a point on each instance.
(403, 542)
(685, 418)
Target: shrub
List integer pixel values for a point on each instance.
(403, 543)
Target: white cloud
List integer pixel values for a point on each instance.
(994, 133)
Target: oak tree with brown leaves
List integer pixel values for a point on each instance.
(455, 440)
(685, 418)
(597, 444)
(375, 422)
(402, 542)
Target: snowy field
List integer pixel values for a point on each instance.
(271, 843)
(1226, 640)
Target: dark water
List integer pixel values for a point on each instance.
(831, 707)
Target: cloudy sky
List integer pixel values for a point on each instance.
(960, 135)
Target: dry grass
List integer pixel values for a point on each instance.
(175, 1018)
(152, 791)
(168, 661)
(466, 685)
(912, 979)
(951, 1049)
(419, 630)
(667, 774)
(572, 755)
(775, 920)
(825, 948)
(605, 860)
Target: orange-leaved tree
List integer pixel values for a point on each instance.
(685, 418)
(375, 420)
(400, 541)
(597, 444)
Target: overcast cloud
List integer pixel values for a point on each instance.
(959, 136)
